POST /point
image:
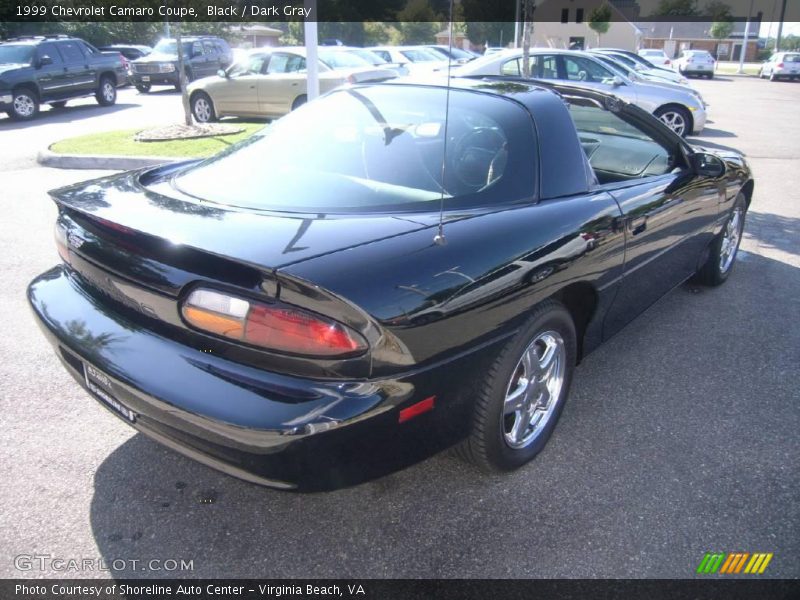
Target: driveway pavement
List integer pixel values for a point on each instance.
(680, 436)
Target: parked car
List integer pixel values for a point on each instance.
(272, 81)
(781, 64)
(202, 56)
(655, 56)
(680, 108)
(457, 55)
(54, 70)
(641, 65)
(129, 51)
(372, 59)
(638, 76)
(418, 60)
(493, 50)
(290, 311)
(695, 62)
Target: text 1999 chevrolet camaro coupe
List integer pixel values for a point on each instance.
(336, 298)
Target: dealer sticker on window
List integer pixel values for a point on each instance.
(100, 385)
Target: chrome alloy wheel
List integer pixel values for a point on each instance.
(730, 240)
(534, 389)
(24, 105)
(108, 91)
(675, 121)
(202, 110)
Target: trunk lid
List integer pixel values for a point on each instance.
(139, 227)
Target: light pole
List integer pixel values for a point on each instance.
(312, 63)
(743, 51)
(780, 27)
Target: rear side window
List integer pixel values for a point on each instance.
(384, 150)
(71, 52)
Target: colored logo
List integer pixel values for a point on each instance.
(734, 563)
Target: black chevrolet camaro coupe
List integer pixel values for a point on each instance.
(388, 271)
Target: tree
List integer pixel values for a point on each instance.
(600, 20)
(717, 10)
(417, 22)
(187, 111)
(721, 29)
(676, 8)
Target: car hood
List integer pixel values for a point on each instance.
(145, 202)
(156, 57)
(5, 68)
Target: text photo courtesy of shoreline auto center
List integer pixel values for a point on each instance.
(400, 299)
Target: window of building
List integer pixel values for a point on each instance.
(565, 15)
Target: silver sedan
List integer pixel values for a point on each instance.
(679, 107)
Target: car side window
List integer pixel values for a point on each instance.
(197, 49)
(549, 69)
(295, 64)
(71, 52)
(384, 55)
(514, 67)
(277, 64)
(209, 48)
(88, 49)
(616, 149)
(49, 49)
(251, 65)
(581, 69)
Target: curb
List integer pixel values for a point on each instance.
(100, 163)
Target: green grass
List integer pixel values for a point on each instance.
(733, 69)
(121, 143)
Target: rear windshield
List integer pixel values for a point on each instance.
(792, 58)
(377, 148)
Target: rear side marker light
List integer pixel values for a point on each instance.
(417, 409)
(281, 328)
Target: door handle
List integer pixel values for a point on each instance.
(638, 225)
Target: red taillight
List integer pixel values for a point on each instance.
(290, 330)
(779, 65)
(281, 328)
(667, 62)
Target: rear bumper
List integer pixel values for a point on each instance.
(271, 429)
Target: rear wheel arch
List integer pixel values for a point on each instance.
(580, 299)
(108, 75)
(747, 191)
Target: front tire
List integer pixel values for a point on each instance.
(106, 94)
(676, 118)
(24, 105)
(722, 253)
(143, 87)
(203, 108)
(521, 399)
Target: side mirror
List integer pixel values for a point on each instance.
(45, 60)
(617, 81)
(223, 73)
(707, 165)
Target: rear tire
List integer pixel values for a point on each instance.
(299, 101)
(519, 403)
(106, 94)
(722, 253)
(24, 104)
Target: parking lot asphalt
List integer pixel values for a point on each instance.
(680, 437)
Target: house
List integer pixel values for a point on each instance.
(673, 38)
(257, 35)
(565, 24)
